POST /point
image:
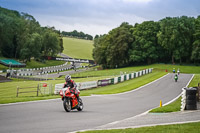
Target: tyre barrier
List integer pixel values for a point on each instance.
(189, 99)
(42, 68)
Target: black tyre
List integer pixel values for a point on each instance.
(191, 102)
(191, 107)
(67, 105)
(80, 108)
(191, 97)
(191, 92)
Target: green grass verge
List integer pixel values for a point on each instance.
(157, 67)
(8, 90)
(175, 106)
(2, 67)
(176, 128)
(124, 86)
(182, 68)
(195, 81)
(78, 48)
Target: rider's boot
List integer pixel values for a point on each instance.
(77, 98)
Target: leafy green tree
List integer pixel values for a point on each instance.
(176, 36)
(99, 51)
(21, 36)
(61, 45)
(120, 40)
(51, 43)
(77, 34)
(32, 47)
(111, 50)
(184, 38)
(8, 31)
(145, 47)
(166, 37)
(196, 45)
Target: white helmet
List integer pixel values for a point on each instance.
(67, 77)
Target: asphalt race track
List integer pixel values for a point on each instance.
(50, 117)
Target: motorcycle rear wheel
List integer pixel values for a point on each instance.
(67, 105)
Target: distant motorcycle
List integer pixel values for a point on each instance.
(176, 78)
(70, 101)
(178, 72)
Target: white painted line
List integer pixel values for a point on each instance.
(140, 126)
(115, 122)
(179, 94)
(150, 125)
(38, 101)
(134, 89)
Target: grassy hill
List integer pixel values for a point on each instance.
(78, 48)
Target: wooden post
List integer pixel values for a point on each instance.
(37, 89)
(198, 92)
(17, 90)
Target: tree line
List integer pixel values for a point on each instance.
(22, 37)
(172, 39)
(77, 34)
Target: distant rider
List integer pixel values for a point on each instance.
(174, 70)
(70, 83)
(178, 71)
(176, 77)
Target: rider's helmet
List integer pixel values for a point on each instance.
(67, 78)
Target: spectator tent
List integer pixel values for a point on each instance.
(11, 63)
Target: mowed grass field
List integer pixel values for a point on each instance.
(156, 67)
(78, 48)
(8, 90)
(176, 128)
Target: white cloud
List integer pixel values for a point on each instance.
(92, 25)
(138, 1)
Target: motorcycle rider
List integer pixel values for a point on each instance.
(70, 83)
(174, 70)
(178, 71)
(176, 77)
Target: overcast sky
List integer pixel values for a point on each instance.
(100, 16)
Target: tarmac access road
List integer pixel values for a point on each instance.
(49, 116)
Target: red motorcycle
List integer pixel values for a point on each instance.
(70, 101)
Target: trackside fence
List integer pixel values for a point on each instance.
(42, 89)
(27, 90)
(105, 82)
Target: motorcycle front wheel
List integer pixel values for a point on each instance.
(80, 108)
(67, 105)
